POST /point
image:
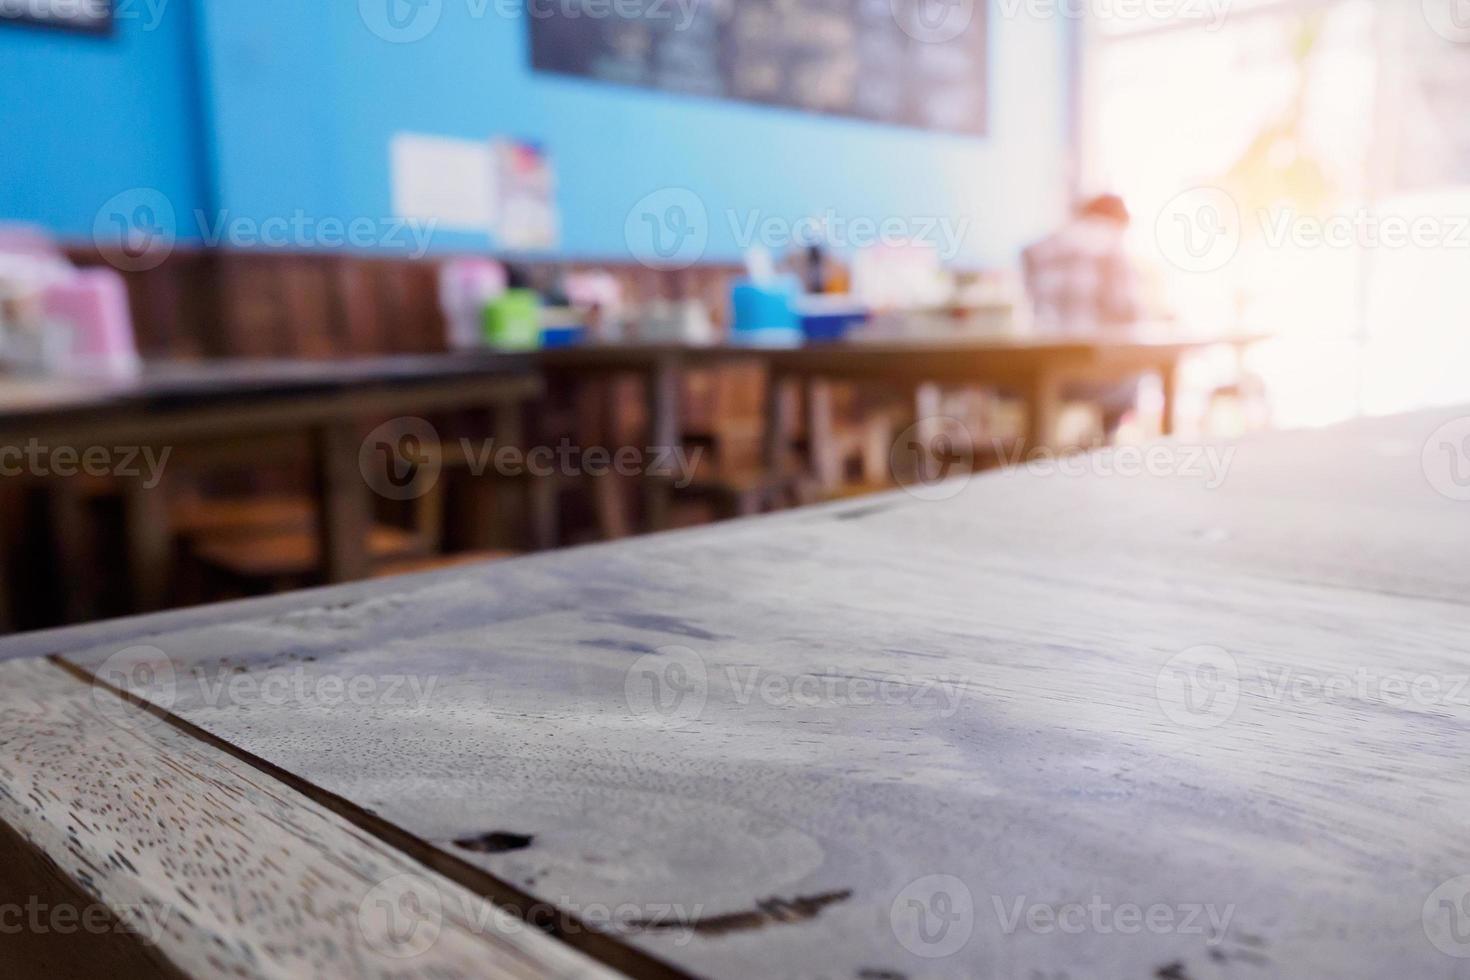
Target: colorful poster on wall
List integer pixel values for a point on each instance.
(529, 221)
(88, 16)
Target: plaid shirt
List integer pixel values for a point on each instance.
(1081, 280)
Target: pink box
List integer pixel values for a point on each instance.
(92, 307)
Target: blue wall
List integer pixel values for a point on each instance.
(298, 102)
(84, 118)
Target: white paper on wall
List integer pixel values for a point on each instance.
(452, 182)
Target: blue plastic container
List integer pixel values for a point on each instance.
(767, 306)
(829, 318)
(826, 327)
(553, 337)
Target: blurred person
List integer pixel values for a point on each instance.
(1081, 282)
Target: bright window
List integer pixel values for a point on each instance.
(1336, 130)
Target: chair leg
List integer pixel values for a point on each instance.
(150, 545)
(10, 503)
(71, 540)
(542, 493)
(748, 503)
(877, 447)
(612, 508)
(656, 503)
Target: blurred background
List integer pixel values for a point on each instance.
(278, 280)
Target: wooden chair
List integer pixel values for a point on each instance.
(724, 426)
(833, 441)
(269, 542)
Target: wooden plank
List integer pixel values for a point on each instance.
(799, 738)
(46, 911)
(215, 868)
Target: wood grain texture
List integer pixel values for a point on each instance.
(976, 709)
(40, 947)
(220, 869)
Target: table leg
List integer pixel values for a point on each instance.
(662, 391)
(603, 425)
(71, 536)
(1169, 374)
(511, 507)
(344, 508)
(777, 422)
(821, 436)
(1043, 409)
(928, 409)
(150, 544)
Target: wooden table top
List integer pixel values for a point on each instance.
(1194, 713)
(164, 385)
(861, 348)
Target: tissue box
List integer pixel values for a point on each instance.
(92, 330)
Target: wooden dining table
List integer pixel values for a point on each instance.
(1035, 368)
(225, 404)
(1171, 711)
(1038, 368)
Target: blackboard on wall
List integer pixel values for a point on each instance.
(87, 16)
(916, 63)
